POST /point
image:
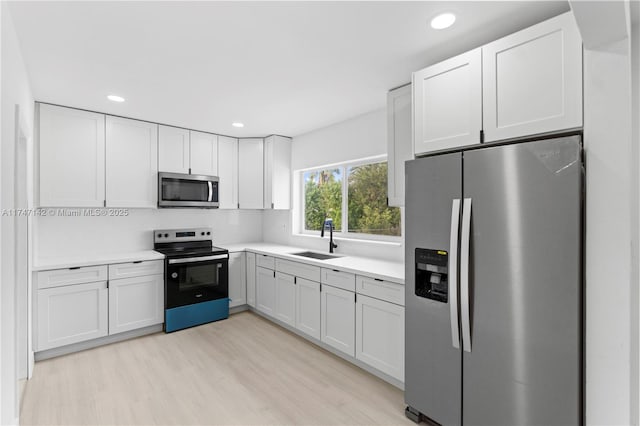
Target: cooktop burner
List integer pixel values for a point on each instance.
(185, 242)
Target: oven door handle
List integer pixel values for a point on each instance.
(198, 259)
(210, 185)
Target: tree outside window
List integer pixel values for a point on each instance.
(353, 195)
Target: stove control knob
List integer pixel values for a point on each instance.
(174, 275)
(208, 233)
(159, 235)
(202, 233)
(166, 235)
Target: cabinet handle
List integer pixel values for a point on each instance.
(74, 268)
(335, 270)
(137, 261)
(378, 279)
(274, 274)
(295, 280)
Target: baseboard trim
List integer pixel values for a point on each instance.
(384, 376)
(90, 344)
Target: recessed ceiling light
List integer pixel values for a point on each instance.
(115, 98)
(237, 124)
(442, 21)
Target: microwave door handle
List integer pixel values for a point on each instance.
(210, 185)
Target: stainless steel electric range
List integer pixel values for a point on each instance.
(196, 284)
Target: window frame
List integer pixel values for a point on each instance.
(344, 232)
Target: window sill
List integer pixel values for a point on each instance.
(385, 243)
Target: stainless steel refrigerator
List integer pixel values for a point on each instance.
(494, 285)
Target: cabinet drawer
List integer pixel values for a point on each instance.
(68, 276)
(335, 278)
(298, 269)
(265, 261)
(380, 289)
(136, 269)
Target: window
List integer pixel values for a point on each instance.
(354, 195)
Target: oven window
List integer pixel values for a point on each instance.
(184, 190)
(196, 276)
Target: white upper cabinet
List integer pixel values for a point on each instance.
(277, 173)
(187, 151)
(228, 172)
(173, 149)
(131, 163)
(250, 173)
(71, 157)
(204, 154)
(399, 142)
(447, 103)
(532, 80)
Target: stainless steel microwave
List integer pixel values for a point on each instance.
(183, 190)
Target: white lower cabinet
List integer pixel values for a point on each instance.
(135, 302)
(308, 307)
(251, 279)
(71, 314)
(380, 335)
(237, 280)
(265, 290)
(285, 306)
(337, 312)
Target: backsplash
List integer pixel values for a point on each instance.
(77, 235)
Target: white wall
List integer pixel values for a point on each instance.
(77, 236)
(634, 300)
(15, 90)
(359, 137)
(607, 139)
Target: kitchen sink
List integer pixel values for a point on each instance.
(314, 255)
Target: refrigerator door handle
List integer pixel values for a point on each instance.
(464, 275)
(453, 273)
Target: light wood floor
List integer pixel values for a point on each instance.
(243, 370)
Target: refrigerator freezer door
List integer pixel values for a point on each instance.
(432, 363)
(525, 284)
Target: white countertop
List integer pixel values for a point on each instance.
(376, 268)
(61, 262)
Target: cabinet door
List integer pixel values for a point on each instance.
(380, 335)
(399, 142)
(173, 149)
(447, 103)
(532, 80)
(277, 173)
(204, 154)
(136, 302)
(308, 307)
(132, 163)
(265, 291)
(251, 279)
(285, 298)
(71, 314)
(228, 172)
(71, 154)
(250, 174)
(337, 313)
(237, 280)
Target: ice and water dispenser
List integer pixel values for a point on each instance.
(432, 274)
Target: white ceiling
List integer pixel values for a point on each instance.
(279, 67)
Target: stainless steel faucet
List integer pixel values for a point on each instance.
(328, 223)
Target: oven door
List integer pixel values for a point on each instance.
(196, 279)
(181, 190)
